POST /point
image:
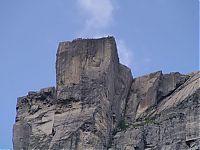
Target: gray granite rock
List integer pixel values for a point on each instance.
(149, 90)
(172, 124)
(97, 105)
(89, 101)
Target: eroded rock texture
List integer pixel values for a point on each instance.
(97, 105)
(171, 119)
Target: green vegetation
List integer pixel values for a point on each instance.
(148, 121)
(123, 125)
(143, 122)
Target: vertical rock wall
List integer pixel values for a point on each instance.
(89, 79)
(96, 105)
(90, 97)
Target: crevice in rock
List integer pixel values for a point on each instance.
(122, 123)
(128, 97)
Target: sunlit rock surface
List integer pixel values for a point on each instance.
(97, 105)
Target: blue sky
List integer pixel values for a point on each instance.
(151, 35)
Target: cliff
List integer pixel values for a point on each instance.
(98, 105)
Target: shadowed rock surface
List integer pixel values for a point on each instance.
(97, 105)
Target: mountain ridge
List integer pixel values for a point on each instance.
(98, 105)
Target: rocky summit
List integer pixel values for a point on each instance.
(98, 105)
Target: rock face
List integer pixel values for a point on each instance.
(171, 118)
(97, 105)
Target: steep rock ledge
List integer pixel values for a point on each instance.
(171, 124)
(89, 101)
(97, 105)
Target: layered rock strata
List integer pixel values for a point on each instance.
(97, 105)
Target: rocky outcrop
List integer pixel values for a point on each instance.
(171, 123)
(35, 119)
(97, 105)
(149, 90)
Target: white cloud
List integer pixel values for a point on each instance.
(125, 54)
(99, 15)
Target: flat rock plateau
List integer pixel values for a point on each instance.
(97, 105)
